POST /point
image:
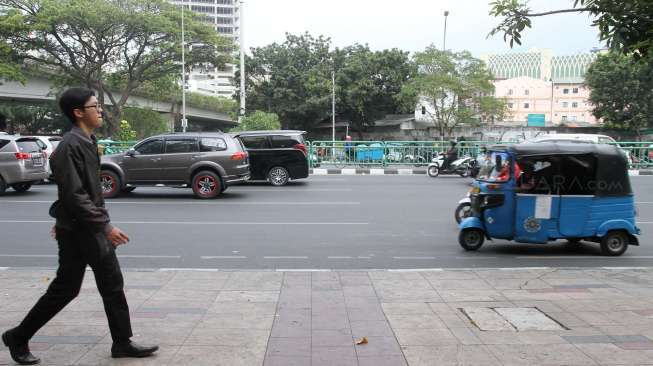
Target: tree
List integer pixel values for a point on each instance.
(447, 87)
(259, 121)
(368, 83)
(37, 118)
(622, 91)
(291, 80)
(145, 122)
(491, 109)
(125, 132)
(110, 46)
(626, 25)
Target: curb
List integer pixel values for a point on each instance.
(409, 171)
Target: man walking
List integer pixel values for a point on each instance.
(84, 235)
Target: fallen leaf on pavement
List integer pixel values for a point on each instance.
(362, 341)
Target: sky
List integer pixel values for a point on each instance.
(412, 25)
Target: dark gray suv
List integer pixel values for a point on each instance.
(207, 162)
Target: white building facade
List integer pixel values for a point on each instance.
(224, 17)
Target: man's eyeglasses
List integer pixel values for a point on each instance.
(96, 106)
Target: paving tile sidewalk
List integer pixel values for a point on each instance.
(450, 317)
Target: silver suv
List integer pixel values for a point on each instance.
(22, 162)
(207, 162)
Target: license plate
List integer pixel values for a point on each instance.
(37, 161)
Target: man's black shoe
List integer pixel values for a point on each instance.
(131, 349)
(19, 351)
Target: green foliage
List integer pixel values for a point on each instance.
(491, 109)
(625, 25)
(145, 122)
(211, 103)
(291, 80)
(38, 118)
(125, 132)
(449, 86)
(111, 46)
(368, 83)
(259, 121)
(622, 91)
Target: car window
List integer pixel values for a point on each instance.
(606, 140)
(150, 147)
(255, 142)
(284, 142)
(3, 143)
(29, 146)
(208, 144)
(179, 146)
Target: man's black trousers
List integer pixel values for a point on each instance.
(76, 250)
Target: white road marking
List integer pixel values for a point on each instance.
(303, 270)
(417, 270)
(28, 255)
(362, 257)
(4, 268)
(261, 203)
(200, 223)
(188, 269)
(377, 171)
(149, 256)
(417, 258)
(339, 257)
(320, 171)
(348, 171)
(286, 257)
(584, 257)
(223, 257)
(474, 257)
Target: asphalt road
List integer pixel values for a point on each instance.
(325, 222)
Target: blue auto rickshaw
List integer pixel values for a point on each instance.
(538, 193)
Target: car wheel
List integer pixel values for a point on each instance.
(3, 186)
(21, 187)
(614, 243)
(463, 211)
(110, 183)
(433, 171)
(278, 176)
(471, 239)
(206, 185)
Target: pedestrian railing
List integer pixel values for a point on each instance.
(114, 147)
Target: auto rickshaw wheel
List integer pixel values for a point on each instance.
(471, 239)
(614, 243)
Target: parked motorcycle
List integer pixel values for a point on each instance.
(462, 166)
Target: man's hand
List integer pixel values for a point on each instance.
(117, 237)
(53, 232)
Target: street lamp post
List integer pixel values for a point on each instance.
(184, 121)
(241, 114)
(444, 41)
(333, 106)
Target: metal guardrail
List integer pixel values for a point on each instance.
(341, 154)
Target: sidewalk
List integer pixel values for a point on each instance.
(440, 317)
(407, 170)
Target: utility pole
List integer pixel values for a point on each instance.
(333, 105)
(184, 121)
(241, 113)
(444, 41)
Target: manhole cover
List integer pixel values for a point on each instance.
(510, 319)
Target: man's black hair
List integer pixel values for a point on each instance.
(72, 99)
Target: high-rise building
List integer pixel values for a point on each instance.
(224, 17)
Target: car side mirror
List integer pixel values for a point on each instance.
(131, 153)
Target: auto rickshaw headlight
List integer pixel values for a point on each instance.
(475, 190)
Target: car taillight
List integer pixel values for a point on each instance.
(240, 155)
(22, 156)
(301, 147)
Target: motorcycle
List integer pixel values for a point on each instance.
(462, 166)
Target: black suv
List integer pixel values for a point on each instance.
(208, 162)
(276, 156)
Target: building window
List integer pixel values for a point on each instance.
(565, 104)
(510, 105)
(423, 110)
(574, 105)
(224, 10)
(509, 91)
(526, 105)
(565, 91)
(526, 92)
(564, 118)
(224, 20)
(574, 90)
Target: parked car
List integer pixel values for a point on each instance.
(207, 162)
(276, 156)
(22, 162)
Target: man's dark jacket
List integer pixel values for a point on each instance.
(76, 167)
